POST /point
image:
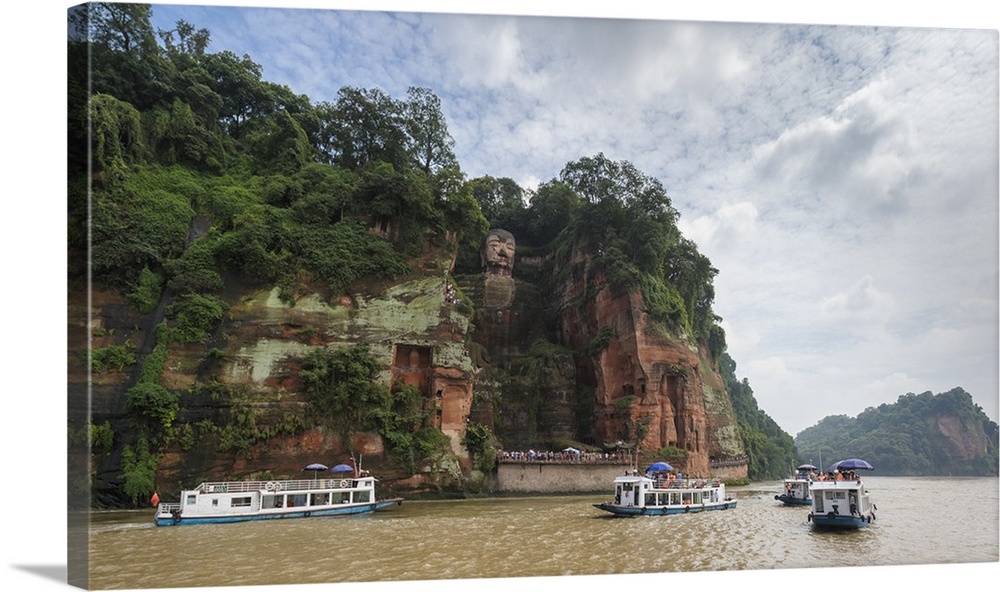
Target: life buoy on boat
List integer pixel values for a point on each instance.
(343, 482)
(277, 486)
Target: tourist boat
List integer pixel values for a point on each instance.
(840, 499)
(239, 501)
(658, 493)
(796, 488)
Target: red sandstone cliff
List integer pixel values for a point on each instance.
(649, 384)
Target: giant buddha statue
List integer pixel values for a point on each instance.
(497, 257)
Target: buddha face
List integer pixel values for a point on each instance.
(498, 253)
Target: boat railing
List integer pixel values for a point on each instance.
(275, 485)
(685, 483)
(165, 508)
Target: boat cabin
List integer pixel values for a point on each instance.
(644, 492)
(841, 498)
(219, 499)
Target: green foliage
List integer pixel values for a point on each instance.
(138, 471)
(117, 134)
(137, 224)
(102, 437)
(152, 403)
(279, 145)
(601, 341)
(343, 392)
(195, 315)
(195, 271)
(672, 453)
(906, 437)
(112, 357)
(341, 386)
(146, 294)
(151, 407)
(182, 434)
(331, 254)
(482, 446)
(152, 365)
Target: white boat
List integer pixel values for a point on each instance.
(239, 501)
(841, 500)
(657, 493)
(796, 489)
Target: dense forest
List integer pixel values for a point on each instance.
(925, 434)
(191, 178)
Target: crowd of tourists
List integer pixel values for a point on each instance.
(566, 455)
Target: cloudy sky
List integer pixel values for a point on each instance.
(842, 178)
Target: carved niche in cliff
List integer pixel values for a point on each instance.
(411, 365)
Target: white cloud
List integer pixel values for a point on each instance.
(862, 304)
(724, 230)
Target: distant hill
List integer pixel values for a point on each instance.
(925, 434)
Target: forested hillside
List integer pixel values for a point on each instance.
(925, 434)
(193, 179)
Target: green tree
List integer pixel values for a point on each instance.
(431, 144)
(367, 126)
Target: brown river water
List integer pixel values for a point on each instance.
(937, 520)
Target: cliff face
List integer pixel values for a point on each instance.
(521, 364)
(965, 444)
(659, 389)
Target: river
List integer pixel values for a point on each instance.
(941, 520)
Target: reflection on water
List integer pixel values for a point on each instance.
(544, 536)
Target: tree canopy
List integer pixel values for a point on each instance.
(923, 434)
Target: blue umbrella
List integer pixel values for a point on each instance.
(342, 468)
(315, 467)
(659, 466)
(851, 464)
(805, 467)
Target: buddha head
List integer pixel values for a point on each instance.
(497, 254)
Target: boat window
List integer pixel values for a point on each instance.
(362, 496)
(240, 502)
(215, 503)
(190, 500)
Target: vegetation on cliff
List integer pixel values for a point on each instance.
(925, 434)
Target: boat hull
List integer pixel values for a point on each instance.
(793, 501)
(664, 510)
(840, 521)
(344, 510)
